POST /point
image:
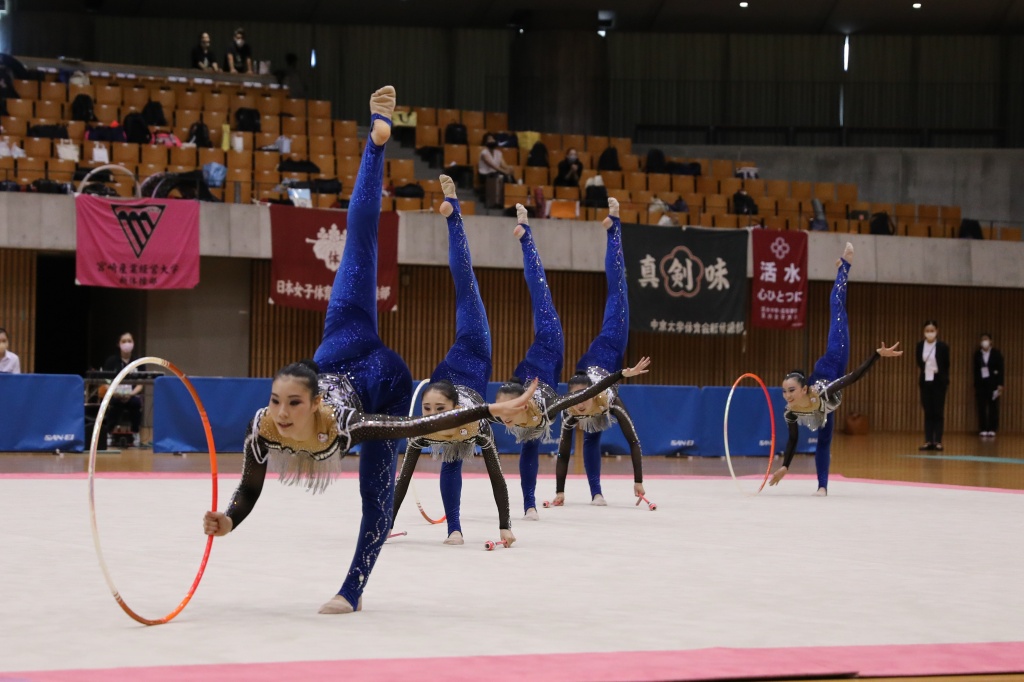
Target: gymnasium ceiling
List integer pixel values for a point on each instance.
(761, 16)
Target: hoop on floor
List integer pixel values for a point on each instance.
(412, 481)
(92, 491)
(725, 431)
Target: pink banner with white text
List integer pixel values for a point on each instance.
(137, 243)
(779, 296)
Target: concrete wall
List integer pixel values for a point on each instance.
(208, 324)
(243, 231)
(986, 183)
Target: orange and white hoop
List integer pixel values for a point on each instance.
(92, 491)
(725, 432)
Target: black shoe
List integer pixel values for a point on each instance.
(927, 446)
(938, 446)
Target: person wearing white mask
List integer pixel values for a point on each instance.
(933, 361)
(989, 374)
(9, 362)
(126, 399)
(240, 54)
(570, 169)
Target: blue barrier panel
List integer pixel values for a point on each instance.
(749, 429)
(230, 405)
(667, 419)
(42, 412)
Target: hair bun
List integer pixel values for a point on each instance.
(515, 380)
(312, 364)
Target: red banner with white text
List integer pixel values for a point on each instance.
(779, 298)
(307, 245)
(137, 243)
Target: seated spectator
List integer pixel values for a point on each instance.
(126, 399)
(569, 170)
(9, 362)
(743, 203)
(240, 54)
(609, 160)
(491, 162)
(202, 55)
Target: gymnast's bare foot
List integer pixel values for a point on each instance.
(599, 501)
(340, 605)
(455, 538)
(847, 255)
(448, 187)
(531, 514)
(613, 210)
(821, 492)
(382, 103)
(522, 218)
(559, 500)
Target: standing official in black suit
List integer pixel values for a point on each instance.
(933, 361)
(989, 374)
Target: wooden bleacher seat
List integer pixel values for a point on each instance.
(345, 128)
(348, 165)
(721, 168)
(293, 125)
(446, 116)
(623, 195)
(716, 203)
(570, 193)
(577, 142)
(535, 175)
(326, 164)
(268, 104)
(729, 186)
(239, 160)
(266, 160)
(884, 208)
(456, 154)
(321, 144)
(26, 89)
(153, 154)
(846, 192)
(30, 169)
(516, 194)
(37, 146)
(108, 94)
(755, 187)
(706, 184)
(425, 116)
(318, 108)
(787, 207)
(408, 204)
(825, 192)
(800, 189)
(683, 184)
(728, 220)
(428, 136)
(906, 213)
(183, 156)
(107, 113)
(21, 108)
(124, 153)
(772, 222)
(612, 179)
(659, 182)
(347, 146)
(293, 107)
(474, 119)
(623, 144)
(319, 126)
(596, 144)
(563, 209)
(950, 215)
(635, 181)
(917, 230)
(553, 141)
(60, 170)
(1009, 234)
(270, 123)
(777, 188)
(496, 121)
(46, 109)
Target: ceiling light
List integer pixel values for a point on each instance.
(744, 4)
(917, 5)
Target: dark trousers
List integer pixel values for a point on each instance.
(933, 400)
(988, 409)
(131, 407)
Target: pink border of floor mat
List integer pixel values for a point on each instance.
(701, 664)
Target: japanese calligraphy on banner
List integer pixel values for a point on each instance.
(779, 297)
(307, 245)
(690, 281)
(136, 243)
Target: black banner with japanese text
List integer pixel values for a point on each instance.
(690, 281)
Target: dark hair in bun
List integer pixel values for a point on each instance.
(513, 387)
(306, 371)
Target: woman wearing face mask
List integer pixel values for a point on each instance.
(240, 54)
(491, 162)
(543, 362)
(9, 362)
(989, 374)
(315, 418)
(570, 169)
(811, 401)
(933, 360)
(460, 380)
(126, 399)
(604, 356)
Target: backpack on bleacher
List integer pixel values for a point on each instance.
(199, 135)
(82, 109)
(881, 224)
(55, 132)
(135, 129)
(655, 161)
(970, 229)
(538, 155)
(411, 190)
(153, 114)
(609, 160)
(455, 133)
(247, 120)
(506, 140)
(596, 196)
